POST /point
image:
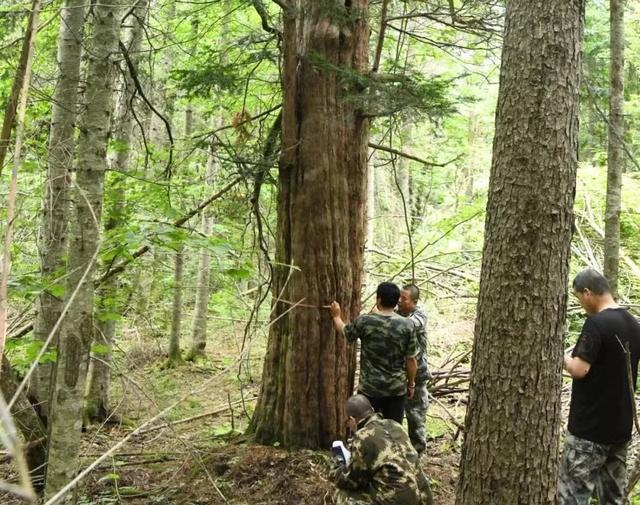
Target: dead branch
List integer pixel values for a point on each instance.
(214, 412)
(20, 82)
(412, 157)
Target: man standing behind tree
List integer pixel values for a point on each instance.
(416, 407)
(387, 354)
(600, 414)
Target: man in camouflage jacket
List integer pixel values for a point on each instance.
(388, 350)
(383, 469)
(416, 407)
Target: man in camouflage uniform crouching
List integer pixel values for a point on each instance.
(383, 469)
(416, 406)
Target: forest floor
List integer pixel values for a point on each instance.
(198, 453)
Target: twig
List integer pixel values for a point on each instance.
(306, 305)
(443, 406)
(235, 125)
(412, 157)
(218, 410)
(9, 438)
(136, 81)
(604, 117)
(632, 396)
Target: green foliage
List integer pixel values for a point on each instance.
(23, 352)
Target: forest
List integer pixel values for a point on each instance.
(186, 185)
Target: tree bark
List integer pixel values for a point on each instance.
(28, 422)
(18, 82)
(614, 150)
(510, 451)
(176, 310)
(203, 289)
(55, 210)
(77, 330)
(308, 369)
(96, 407)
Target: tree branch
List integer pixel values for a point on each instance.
(412, 157)
(383, 28)
(134, 76)
(264, 17)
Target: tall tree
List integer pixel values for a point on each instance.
(110, 304)
(76, 334)
(203, 288)
(175, 355)
(55, 209)
(615, 144)
(510, 451)
(308, 369)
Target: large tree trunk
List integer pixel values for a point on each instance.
(99, 376)
(77, 330)
(614, 151)
(55, 211)
(308, 369)
(28, 422)
(510, 452)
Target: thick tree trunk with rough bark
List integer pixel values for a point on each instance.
(615, 153)
(510, 452)
(99, 376)
(55, 211)
(76, 334)
(28, 422)
(308, 369)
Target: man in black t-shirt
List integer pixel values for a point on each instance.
(600, 414)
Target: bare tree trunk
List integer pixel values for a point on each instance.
(99, 376)
(19, 81)
(77, 330)
(28, 422)
(55, 210)
(614, 151)
(510, 451)
(176, 311)
(203, 289)
(308, 369)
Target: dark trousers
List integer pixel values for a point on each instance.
(391, 407)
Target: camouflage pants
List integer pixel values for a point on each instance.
(587, 467)
(344, 497)
(416, 410)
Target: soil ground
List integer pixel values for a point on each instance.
(207, 459)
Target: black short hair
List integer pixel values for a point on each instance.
(592, 280)
(389, 294)
(359, 406)
(414, 291)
